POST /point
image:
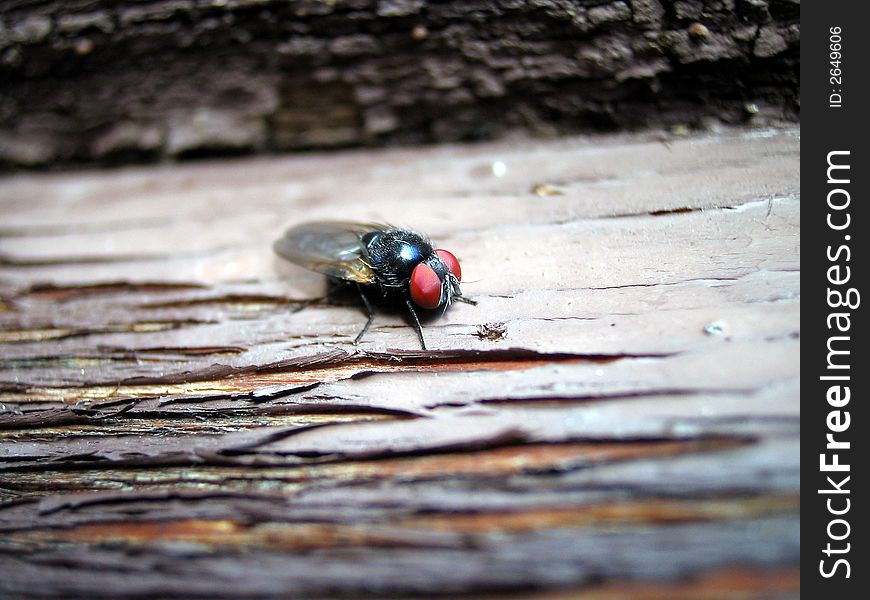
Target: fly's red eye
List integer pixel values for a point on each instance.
(425, 287)
(450, 262)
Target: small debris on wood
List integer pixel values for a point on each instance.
(546, 189)
(716, 328)
(698, 30)
(491, 331)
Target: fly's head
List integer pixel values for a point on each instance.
(435, 281)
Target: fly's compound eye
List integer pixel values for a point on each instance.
(425, 286)
(450, 262)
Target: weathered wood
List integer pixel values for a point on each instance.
(618, 416)
(98, 80)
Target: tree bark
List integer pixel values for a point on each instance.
(115, 82)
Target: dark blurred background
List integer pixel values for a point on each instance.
(107, 82)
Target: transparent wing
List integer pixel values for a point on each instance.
(328, 247)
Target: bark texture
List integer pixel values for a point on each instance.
(617, 417)
(97, 80)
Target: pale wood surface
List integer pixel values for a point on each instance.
(620, 407)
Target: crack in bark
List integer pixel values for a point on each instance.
(23, 336)
(366, 360)
(59, 293)
(23, 262)
(254, 299)
(603, 397)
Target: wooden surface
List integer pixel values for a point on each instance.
(618, 417)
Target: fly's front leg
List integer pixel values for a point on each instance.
(369, 310)
(416, 322)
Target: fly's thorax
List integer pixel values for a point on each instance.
(392, 254)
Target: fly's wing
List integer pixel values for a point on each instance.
(329, 247)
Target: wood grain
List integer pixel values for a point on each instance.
(180, 416)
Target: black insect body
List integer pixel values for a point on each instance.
(397, 265)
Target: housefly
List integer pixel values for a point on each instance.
(384, 263)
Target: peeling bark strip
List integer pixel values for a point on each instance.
(190, 78)
(618, 416)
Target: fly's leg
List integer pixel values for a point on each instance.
(371, 314)
(306, 303)
(466, 300)
(416, 322)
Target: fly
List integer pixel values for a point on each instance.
(385, 263)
